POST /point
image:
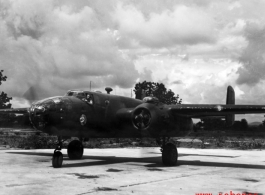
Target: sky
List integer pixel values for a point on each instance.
(195, 47)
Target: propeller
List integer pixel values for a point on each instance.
(142, 118)
(35, 93)
(31, 94)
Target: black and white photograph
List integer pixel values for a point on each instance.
(132, 97)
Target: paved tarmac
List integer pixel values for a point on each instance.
(133, 171)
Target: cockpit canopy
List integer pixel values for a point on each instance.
(75, 93)
(84, 96)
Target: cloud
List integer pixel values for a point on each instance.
(55, 47)
(195, 47)
(178, 82)
(146, 75)
(182, 25)
(253, 57)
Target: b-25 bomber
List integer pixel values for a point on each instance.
(86, 114)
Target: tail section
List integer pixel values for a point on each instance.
(230, 100)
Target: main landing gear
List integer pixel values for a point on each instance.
(75, 151)
(169, 153)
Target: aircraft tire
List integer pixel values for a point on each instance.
(170, 155)
(75, 150)
(57, 159)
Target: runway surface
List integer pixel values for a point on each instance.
(133, 171)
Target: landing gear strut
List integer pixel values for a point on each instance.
(169, 153)
(57, 158)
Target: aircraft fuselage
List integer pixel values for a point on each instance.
(102, 115)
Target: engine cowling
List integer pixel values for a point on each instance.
(141, 118)
(147, 118)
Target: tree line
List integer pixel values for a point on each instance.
(157, 90)
(4, 99)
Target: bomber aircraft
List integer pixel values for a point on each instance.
(87, 114)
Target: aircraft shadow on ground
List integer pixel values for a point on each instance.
(153, 161)
(199, 155)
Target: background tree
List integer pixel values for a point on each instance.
(244, 124)
(213, 123)
(157, 90)
(262, 125)
(5, 119)
(4, 99)
(240, 125)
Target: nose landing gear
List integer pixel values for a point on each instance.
(75, 151)
(57, 158)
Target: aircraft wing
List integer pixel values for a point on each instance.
(202, 110)
(15, 111)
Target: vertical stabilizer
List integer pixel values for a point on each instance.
(230, 100)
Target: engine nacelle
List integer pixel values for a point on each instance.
(147, 118)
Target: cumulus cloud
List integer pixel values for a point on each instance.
(182, 25)
(253, 57)
(178, 82)
(55, 47)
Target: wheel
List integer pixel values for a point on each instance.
(57, 159)
(170, 155)
(75, 150)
